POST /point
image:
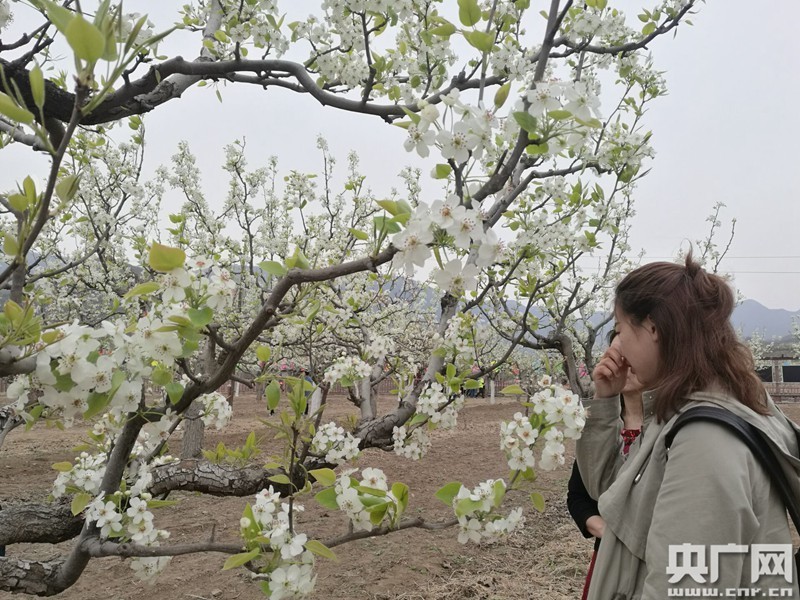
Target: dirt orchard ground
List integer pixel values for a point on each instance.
(547, 560)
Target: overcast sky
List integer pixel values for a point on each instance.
(727, 132)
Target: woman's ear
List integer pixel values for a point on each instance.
(650, 327)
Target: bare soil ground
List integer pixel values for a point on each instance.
(547, 560)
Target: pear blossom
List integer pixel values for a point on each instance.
(490, 249)
(445, 212)
(458, 144)
(412, 243)
(419, 140)
(456, 278)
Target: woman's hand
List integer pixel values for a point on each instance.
(611, 373)
(596, 526)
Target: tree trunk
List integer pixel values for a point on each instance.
(193, 432)
(315, 401)
(491, 391)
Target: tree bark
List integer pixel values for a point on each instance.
(38, 523)
(193, 432)
(30, 576)
(216, 480)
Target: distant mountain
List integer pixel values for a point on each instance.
(752, 316)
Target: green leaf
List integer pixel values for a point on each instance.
(67, 187)
(465, 506)
(273, 393)
(526, 121)
(325, 477)
(377, 513)
(415, 118)
(13, 311)
(499, 492)
(280, 478)
(364, 489)
(142, 289)
(10, 245)
(273, 268)
(200, 317)
(63, 467)
(418, 418)
(469, 12)
(29, 187)
(161, 376)
(358, 234)
(165, 258)
(559, 115)
(237, 560)
(512, 390)
(649, 28)
(537, 149)
(389, 206)
(390, 225)
(448, 492)
(174, 391)
(97, 404)
(472, 384)
(87, 41)
(10, 109)
(445, 29)
(79, 502)
(481, 40)
(442, 171)
(501, 95)
(327, 498)
(37, 85)
(58, 15)
(18, 202)
(400, 491)
(538, 501)
(297, 259)
(320, 549)
(263, 353)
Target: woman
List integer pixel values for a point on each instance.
(674, 333)
(582, 507)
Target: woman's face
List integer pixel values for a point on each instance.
(639, 345)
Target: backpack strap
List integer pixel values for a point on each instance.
(755, 441)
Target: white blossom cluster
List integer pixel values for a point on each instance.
(356, 503)
(217, 411)
(88, 469)
(208, 283)
(335, 444)
(457, 341)
(379, 347)
(517, 440)
(433, 402)
(347, 368)
(478, 522)
(591, 22)
(85, 475)
(5, 14)
(412, 445)
(115, 359)
(557, 414)
(292, 574)
(560, 407)
(623, 147)
(134, 523)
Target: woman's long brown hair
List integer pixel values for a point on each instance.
(691, 310)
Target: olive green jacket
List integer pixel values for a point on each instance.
(711, 491)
